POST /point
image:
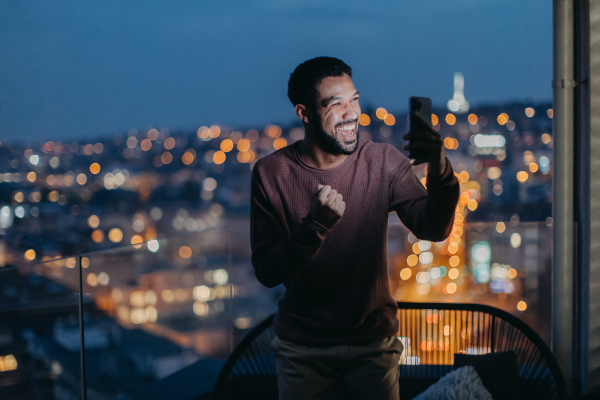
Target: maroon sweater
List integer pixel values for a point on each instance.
(336, 281)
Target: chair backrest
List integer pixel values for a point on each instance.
(432, 333)
(249, 372)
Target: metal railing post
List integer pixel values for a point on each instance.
(231, 291)
(81, 331)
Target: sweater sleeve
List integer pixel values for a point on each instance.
(276, 254)
(428, 213)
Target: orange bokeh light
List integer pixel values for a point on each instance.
(136, 241)
(219, 157)
(279, 143)
(243, 145)
(381, 113)
(533, 167)
(185, 252)
(214, 131)
(226, 145)
(464, 198)
(169, 143)
(166, 157)
(146, 144)
(412, 260)
(364, 120)
(416, 249)
(30, 254)
(97, 236)
(187, 158)
(522, 176)
(273, 131)
(454, 261)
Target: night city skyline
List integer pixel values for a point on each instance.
(72, 71)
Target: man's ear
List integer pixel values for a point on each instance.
(303, 113)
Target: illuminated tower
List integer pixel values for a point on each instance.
(458, 103)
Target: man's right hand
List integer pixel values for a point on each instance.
(326, 206)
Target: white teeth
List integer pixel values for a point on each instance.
(347, 128)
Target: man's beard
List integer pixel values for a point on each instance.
(329, 143)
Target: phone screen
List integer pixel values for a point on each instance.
(422, 107)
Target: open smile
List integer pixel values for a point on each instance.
(348, 131)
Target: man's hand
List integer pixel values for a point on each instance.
(426, 146)
(326, 206)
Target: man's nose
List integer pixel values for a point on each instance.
(350, 112)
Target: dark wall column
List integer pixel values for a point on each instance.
(593, 383)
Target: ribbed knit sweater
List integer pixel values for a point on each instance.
(336, 280)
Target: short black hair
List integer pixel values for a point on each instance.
(302, 86)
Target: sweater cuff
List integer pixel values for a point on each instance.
(314, 225)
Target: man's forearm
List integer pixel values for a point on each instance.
(440, 210)
(442, 197)
(429, 213)
(439, 168)
(274, 262)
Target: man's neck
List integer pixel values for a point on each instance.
(313, 156)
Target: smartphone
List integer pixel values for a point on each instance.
(422, 107)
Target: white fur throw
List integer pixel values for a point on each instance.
(460, 384)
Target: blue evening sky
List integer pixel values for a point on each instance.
(84, 69)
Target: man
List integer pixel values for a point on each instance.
(319, 214)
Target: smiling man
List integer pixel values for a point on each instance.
(319, 214)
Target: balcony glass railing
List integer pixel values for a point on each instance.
(160, 317)
(149, 309)
(502, 264)
(39, 331)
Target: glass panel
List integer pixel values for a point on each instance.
(159, 315)
(253, 302)
(504, 265)
(39, 331)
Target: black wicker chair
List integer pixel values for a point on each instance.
(432, 333)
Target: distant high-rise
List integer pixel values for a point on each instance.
(458, 103)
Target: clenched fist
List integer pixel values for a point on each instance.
(326, 206)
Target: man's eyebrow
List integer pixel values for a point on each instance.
(330, 99)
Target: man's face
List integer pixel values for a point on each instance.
(336, 117)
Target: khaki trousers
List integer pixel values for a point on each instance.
(365, 371)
